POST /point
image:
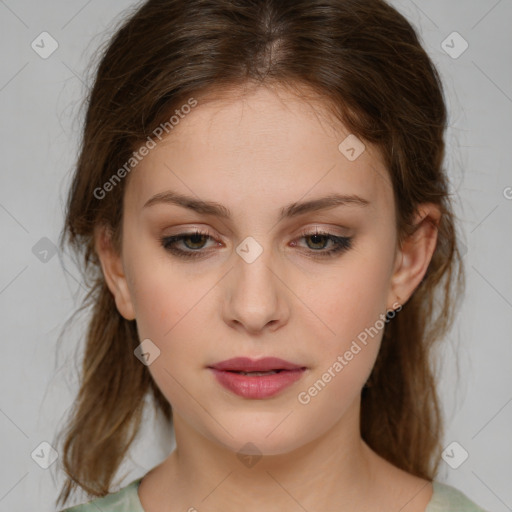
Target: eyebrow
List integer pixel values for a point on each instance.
(289, 211)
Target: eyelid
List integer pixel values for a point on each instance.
(333, 230)
(181, 230)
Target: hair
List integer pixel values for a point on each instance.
(364, 60)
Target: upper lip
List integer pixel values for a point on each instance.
(245, 364)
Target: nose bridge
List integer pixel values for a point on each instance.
(255, 291)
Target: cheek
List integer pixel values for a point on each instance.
(348, 325)
(171, 308)
(165, 302)
(350, 299)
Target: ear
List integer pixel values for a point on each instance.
(414, 255)
(113, 271)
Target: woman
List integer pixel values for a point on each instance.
(261, 206)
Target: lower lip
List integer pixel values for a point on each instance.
(259, 386)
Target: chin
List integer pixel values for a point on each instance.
(264, 437)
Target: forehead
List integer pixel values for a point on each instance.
(265, 148)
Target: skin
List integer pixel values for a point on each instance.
(255, 154)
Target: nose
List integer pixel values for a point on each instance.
(256, 295)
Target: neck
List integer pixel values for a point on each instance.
(336, 468)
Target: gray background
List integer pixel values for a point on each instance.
(40, 101)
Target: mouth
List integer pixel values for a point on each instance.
(256, 374)
(252, 366)
(257, 379)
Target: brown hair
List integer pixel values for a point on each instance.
(361, 57)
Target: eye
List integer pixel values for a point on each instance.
(319, 239)
(194, 243)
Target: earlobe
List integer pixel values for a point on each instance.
(415, 254)
(113, 272)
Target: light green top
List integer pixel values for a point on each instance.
(444, 499)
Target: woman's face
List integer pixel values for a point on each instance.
(261, 284)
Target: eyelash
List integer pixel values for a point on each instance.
(341, 244)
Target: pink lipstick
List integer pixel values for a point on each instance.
(256, 379)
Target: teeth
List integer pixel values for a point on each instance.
(258, 373)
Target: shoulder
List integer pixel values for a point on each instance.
(124, 500)
(449, 499)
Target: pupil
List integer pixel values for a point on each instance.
(316, 237)
(196, 238)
